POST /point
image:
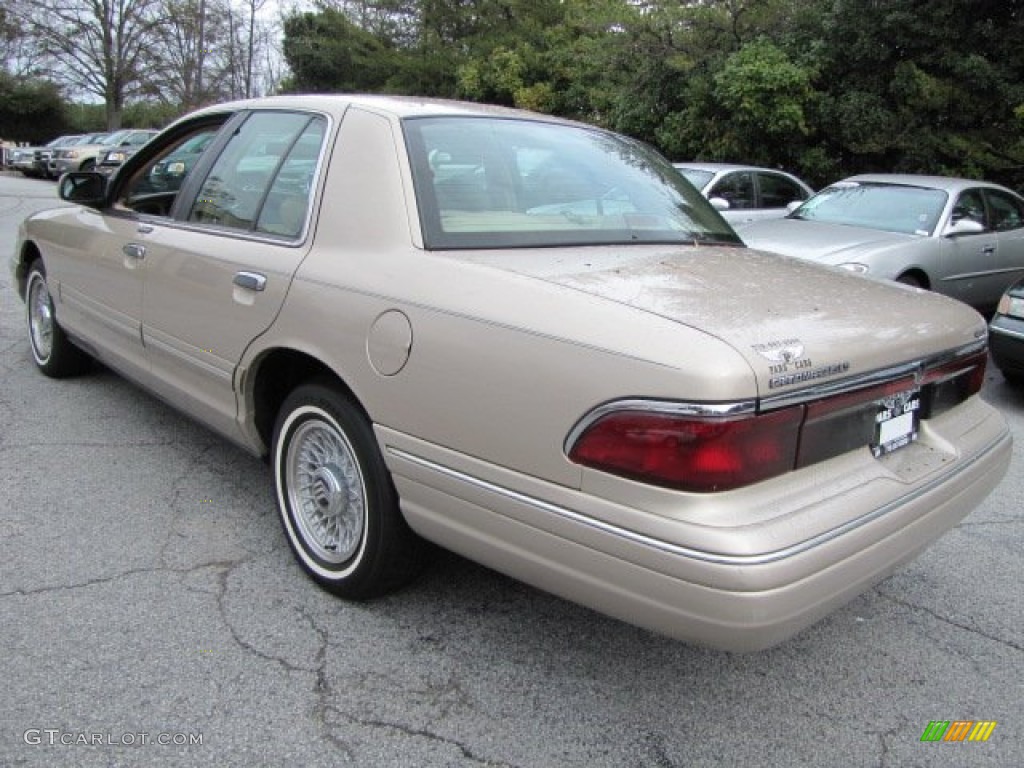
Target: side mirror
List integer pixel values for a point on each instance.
(86, 188)
(793, 205)
(719, 203)
(963, 227)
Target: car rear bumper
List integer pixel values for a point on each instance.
(737, 600)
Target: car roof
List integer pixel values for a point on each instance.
(399, 106)
(949, 184)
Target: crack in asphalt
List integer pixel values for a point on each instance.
(423, 733)
(116, 577)
(323, 690)
(884, 739)
(247, 647)
(951, 622)
(95, 444)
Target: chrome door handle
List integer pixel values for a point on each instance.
(253, 281)
(134, 250)
(988, 249)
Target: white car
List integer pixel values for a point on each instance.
(746, 193)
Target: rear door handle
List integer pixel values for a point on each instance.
(252, 281)
(134, 250)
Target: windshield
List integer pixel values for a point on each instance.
(506, 183)
(888, 207)
(698, 178)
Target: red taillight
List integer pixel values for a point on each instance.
(946, 386)
(691, 453)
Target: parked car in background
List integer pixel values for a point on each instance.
(744, 193)
(85, 154)
(1006, 334)
(62, 151)
(34, 161)
(109, 160)
(425, 316)
(958, 237)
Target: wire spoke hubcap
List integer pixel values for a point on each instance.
(40, 319)
(326, 490)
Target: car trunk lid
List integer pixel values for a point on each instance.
(796, 323)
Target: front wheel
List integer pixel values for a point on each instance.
(910, 279)
(53, 352)
(337, 503)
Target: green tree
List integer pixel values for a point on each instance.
(328, 52)
(31, 111)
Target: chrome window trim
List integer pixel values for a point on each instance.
(313, 205)
(715, 558)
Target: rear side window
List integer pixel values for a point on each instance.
(262, 179)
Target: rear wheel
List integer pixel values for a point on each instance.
(337, 503)
(53, 352)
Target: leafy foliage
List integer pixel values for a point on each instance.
(32, 111)
(821, 87)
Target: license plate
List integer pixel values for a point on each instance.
(896, 422)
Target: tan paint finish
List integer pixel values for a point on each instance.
(474, 367)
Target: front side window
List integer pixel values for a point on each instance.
(506, 183)
(153, 187)
(970, 206)
(737, 189)
(262, 179)
(778, 191)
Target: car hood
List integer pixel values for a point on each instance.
(794, 322)
(818, 241)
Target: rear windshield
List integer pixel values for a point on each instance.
(506, 183)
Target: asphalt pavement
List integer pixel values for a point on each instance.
(151, 614)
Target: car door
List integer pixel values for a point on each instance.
(969, 259)
(1006, 214)
(217, 276)
(98, 278)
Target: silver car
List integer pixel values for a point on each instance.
(86, 154)
(959, 237)
(529, 341)
(746, 193)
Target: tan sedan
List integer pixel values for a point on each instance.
(530, 342)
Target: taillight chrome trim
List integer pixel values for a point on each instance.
(666, 407)
(916, 368)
